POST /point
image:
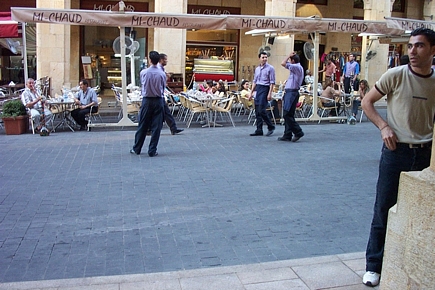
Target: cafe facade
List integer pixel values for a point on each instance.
(229, 54)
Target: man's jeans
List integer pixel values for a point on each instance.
(392, 163)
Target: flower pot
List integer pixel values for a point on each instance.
(16, 125)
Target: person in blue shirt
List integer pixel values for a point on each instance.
(350, 73)
(153, 81)
(86, 99)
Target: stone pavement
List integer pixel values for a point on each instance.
(216, 208)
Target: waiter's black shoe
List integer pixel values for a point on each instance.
(296, 138)
(177, 131)
(256, 133)
(153, 155)
(284, 139)
(133, 152)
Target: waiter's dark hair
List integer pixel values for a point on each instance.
(296, 58)
(154, 57)
(85, 82)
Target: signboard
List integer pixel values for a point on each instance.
(408, 24)
(199, 21)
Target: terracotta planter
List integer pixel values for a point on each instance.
(16, 125)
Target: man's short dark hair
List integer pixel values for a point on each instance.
(162, 55)
(429, 33)
(296, 58)
(262, 52)
(154, 57)
(85, 82)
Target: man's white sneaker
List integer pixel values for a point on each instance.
(371, 278)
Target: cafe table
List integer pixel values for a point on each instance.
(62, 108)
(11, 89)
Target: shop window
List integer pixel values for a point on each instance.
(399, 6)
(358, 4)
(315, 2)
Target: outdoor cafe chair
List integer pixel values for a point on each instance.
(93, 116)
(223, 106)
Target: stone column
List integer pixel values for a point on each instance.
(373, 69)
(409, 258)
(281, 46)
(171, 41)
(57, 56)
(428, 10)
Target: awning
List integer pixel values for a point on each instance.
(8, 27)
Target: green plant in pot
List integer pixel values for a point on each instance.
(15, 117)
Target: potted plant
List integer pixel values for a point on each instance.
(15, 118)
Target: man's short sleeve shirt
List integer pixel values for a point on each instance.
(410, 103)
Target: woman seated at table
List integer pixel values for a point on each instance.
(363, 90)
(328, 96)
(207, 88)
(220, 88)
(245, 92)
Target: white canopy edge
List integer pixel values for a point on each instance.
(190, 21)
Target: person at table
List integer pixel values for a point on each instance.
(292, 131)
(220, 88)
(86, 98)
(363, 90)
(208, 87)
(263, 83)
(169, 119)
(245, 92)
(309, 79)
(153, 81)
(329, 69)
(350, 74)
(33, 101)
(328, 97)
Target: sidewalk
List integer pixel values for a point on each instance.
(327, 272)
(217, 209)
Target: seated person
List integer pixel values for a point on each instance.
(86, 98)
(328, 97)
(220, 87)
(33, 102)
(245, 92)
(208, 87)
(309, 79)
(363, 90)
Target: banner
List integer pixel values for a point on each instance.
(408, 24)
(198, 21)
(8, 28)
(114, 19)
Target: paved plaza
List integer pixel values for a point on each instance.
(79, 205)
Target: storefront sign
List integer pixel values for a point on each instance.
(107, 6)
(212, 10)
(408, 24)
(189, 21)
(298, 24)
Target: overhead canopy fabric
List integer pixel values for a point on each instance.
(194, 21)
(8, 27)
(408, 24)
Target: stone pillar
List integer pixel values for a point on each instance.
(428, 10)
(409, 258)
(281, 46)
(171, 41)
(57, 56)
(373, 69)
